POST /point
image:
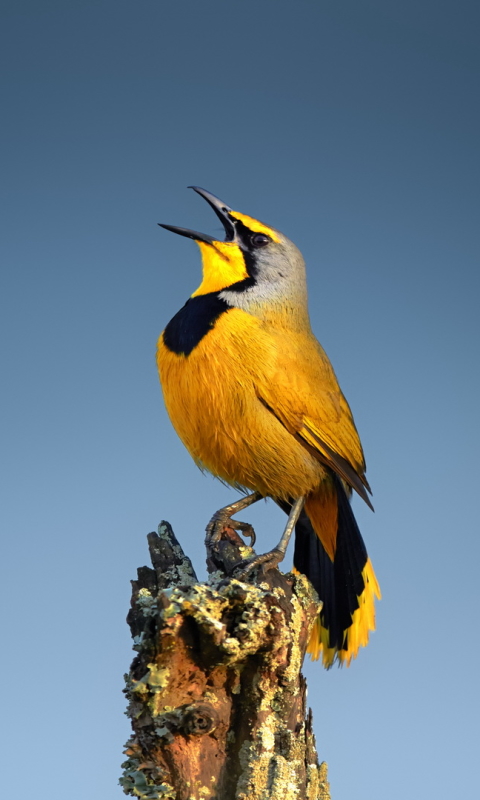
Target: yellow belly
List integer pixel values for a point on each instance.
(212, 401)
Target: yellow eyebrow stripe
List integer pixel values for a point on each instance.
(255, 225)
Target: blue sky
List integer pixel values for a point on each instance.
(353, 126)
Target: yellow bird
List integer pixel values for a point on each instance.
(255, 400)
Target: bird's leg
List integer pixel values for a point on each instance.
(223, 518)
(273, 557)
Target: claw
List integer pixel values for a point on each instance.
(246, 529)
(215, 527)
(220, 521)
(223, 519)
(268, 561)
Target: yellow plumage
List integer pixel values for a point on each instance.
(254, 398)
(212, 397)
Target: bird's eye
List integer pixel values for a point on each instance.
(260, 239)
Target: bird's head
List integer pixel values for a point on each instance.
(254, 266)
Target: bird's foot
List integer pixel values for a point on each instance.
(221, 521)
(268, 561)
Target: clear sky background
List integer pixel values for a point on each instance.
(352, 126)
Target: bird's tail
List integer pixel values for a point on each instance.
(330, 551)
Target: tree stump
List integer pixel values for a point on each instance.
(216, 697)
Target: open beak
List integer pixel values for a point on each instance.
(222, 212)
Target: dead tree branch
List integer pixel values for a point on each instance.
(216, 697)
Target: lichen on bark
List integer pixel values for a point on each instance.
(216, 697)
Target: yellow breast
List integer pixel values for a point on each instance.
(212, 398)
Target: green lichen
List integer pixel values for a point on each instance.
(165, 720)
(304, 590)
(164, 733)
(140, 686)
(323, 785)
(135, 783)
(270, 774)
(157, 677)
(210, 697)
(182, 571)
(205, 605)
(147, 603)
(215, 578)
(138, 642)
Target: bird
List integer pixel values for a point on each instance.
(254, 398)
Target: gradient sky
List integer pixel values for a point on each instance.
(352, 126)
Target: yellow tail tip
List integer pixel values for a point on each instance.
(357, 634)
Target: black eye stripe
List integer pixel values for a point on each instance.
(246, 236)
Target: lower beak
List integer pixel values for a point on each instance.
(199, 237)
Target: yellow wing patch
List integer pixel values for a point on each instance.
(350, 470)
(342, 438)
(319, 419)
(299, 386)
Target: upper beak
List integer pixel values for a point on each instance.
(222, 212)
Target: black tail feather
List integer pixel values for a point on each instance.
(339, 583)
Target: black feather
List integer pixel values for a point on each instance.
(340, 582)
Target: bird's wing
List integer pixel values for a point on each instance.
(300, 388)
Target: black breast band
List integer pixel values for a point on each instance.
(197, 317)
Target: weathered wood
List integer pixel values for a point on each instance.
(216, 697)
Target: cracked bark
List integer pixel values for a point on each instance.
(216, 698)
